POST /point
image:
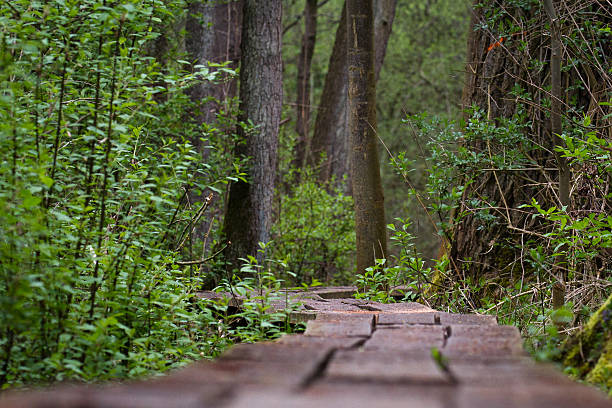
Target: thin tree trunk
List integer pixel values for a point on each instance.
(249, 209)
(330, 135)
(384, 15)
(370, 224)
(556, 102)
(303, 82)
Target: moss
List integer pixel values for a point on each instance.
(589, 352)
(601, 374)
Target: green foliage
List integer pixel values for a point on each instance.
(457, 158)
(376, 283)
(575, 241)
(95, 162)
(422, 73)
(404, 280)
(261, 287)
(315, 232)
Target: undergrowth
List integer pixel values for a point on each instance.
(98, 168)
(522, 293)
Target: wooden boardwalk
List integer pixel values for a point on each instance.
(353, 354)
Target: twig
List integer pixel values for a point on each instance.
(532, 290)
(201, 261)
(185, 234)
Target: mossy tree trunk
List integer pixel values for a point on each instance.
(589, 352)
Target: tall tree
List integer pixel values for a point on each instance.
(556, 124)
(330, 135)
(213, 31)
(370, 226)
(249, 207)
(304, 63)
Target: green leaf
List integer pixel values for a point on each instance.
(48, 181)
(61, 216)
(562, 316)
(31, 201)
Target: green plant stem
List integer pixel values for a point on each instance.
(56, 143)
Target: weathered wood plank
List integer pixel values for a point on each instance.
(354, 353)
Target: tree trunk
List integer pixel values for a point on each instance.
(213, 30)
(331, 130)
(556, 102)
(384, 14)
(370, 226)
(249, 207)
(556, 129)
(213, 35)
(331, 127)
(303, 82)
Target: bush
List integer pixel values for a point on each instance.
(315, 232)
(95, 162)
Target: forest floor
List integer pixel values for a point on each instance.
(354, 353)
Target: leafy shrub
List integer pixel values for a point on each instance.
(574, 241)
(406, 278)
(315, 232)
(265, 310)
(95, 163)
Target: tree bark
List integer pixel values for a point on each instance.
(303, 82)
(556, 104)
(213, 30)
(213, 35)
(249, 208)
(384, 14)
(330, 135)
(370, 226)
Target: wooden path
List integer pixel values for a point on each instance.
(353, 354)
